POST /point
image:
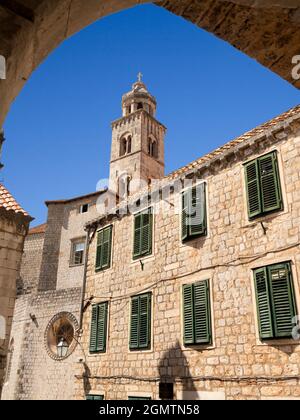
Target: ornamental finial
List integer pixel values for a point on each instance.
(140, 76)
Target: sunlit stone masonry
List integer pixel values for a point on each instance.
(193, 294)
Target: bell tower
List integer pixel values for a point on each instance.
(137, 155)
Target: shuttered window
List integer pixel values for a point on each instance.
(99, 328)
(275, 301)
(103, 253)
(194, 213)
(197, 314)
(140, 323)
(94, 397)
(263, 186)
(143, 225)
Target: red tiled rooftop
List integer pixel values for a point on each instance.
(8, 202)
(38, 229)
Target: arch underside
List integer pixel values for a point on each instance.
(266, 30)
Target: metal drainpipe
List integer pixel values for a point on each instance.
(87, 247)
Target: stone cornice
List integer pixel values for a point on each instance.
(135, 115)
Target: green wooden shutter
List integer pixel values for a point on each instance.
(137, 235)
(270, 183)
(185, 215)
(145, 321)
(94, 397)
(99, 249)
(98, 398)
(198, 210)
(202, 315)
(102, 327)
(253, 189)
(93, 334)
(146, 233)
(103, 254)
(283, 302)
(188, 315)
(134, 323)
(106, 248)
(263, 304)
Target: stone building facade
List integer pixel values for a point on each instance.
(48, 304)
(121, 296)
(14, 224)
(204, 312)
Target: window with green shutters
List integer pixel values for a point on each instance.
(263, 186)
(94, 397)
(194, 212)
(197, 314)
(99, 328)
(103, 253)
(276, 304)
(143, 225)
(140, 322)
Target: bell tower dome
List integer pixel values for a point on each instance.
(137, 155)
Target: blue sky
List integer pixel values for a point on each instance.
(58, 130)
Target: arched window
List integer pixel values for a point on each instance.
(129, 145)
(125, 145)
(124, 186)
(152, 148)
(140, 105)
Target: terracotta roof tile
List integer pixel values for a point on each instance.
(9, 203)
(38, 229)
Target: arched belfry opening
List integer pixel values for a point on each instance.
(125, 145)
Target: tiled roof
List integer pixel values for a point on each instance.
(9, 203)
(70, 200)
(38, 229)
(260, 130)
(263, 130)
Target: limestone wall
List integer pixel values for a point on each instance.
(33, 374)
(13, 229)
(238, 364)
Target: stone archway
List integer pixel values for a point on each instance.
(266, 30)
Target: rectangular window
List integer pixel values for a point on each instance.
(263, 186)
(140, 323)
(194, 213)
(103, 253)
(77, 257)
(99, 328)
(143, 226)
(95, 397)
(275, 301)
(84, 208)
(197, 314)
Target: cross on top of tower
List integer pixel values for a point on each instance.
(140, 77)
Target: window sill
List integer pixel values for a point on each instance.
(75, 265)
(140, 351)
(264, 218)
(102, 270)
(278, 342)
(145, 258)
(198, 347)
